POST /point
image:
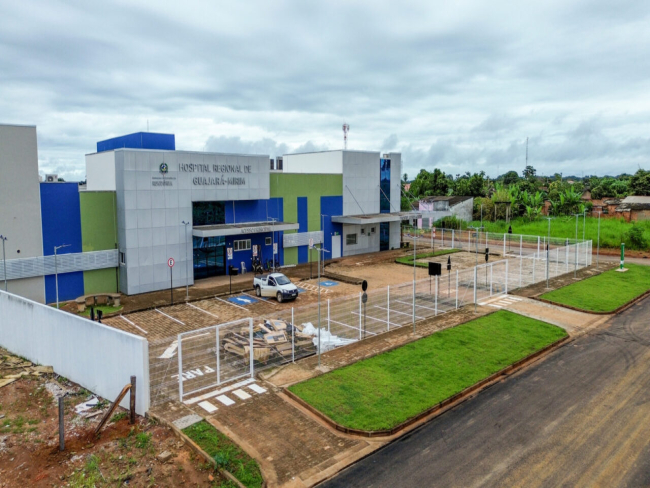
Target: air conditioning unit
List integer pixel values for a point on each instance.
(51, 178)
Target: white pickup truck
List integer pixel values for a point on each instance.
(275, 285)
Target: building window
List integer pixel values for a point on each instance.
(372, 230)
(384, 186)
(279, 165)
(122, 258)
(350, 239)
(272, 165)
(268, 241)
(363, 231)
(243, 245)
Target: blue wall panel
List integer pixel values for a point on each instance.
(139, 140)
(303, 222)
(331, 206)
(255, 211)
(61, 220)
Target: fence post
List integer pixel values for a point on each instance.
(491, 268)
(566, 257)
(328, 315)
(293, 334)
(506, 285)
(469, 241)
(180, 368)
(452, 238)
(475, 280)
(218, 356)
(521, 242)
(534, 263)
(521, 263)
(504, 244)
(250, 338)
(388, 306)
(537, 256)
(557, 262)
(132, 401)
(456, 289)
(360, 316)
(436, 306)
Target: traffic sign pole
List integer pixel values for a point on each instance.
(170, 263)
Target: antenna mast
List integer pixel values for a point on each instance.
(526, 152)
(346, 129)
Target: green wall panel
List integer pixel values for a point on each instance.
(98, 233)
(290, 186)
(100, 281)
(98, 220)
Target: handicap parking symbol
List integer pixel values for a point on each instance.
(328, 283)
(301, 290)
(242, 300)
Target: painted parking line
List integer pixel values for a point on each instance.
(243, 300)
(169, 316)
(201, 310)
(378, 320)
(259, 298)
(348, 326)
(229, 303)
(134, 325)
(392, 310)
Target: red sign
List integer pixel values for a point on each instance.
(433, 232)
(170, 262)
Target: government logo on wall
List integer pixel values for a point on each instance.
(164, 168)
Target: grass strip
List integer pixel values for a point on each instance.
(409, 259)
(605, 292)
(226, 453)
(383, 391)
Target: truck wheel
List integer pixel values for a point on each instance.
(258, 291)
(279, 297)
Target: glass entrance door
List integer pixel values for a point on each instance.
(209, 257)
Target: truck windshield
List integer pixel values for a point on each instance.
(282, 280)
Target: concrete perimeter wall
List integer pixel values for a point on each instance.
(97, 357)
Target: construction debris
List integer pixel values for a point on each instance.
(164, 456)
(12, 367)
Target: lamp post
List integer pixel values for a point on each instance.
(272, 219)
(187, 272)
(4, 260)
(319, 251)
(322, 228)
(476, 229)
(575, 269)
(415, 245)
(584, 223)
(548, 241)
(56, 273)
(597, 248)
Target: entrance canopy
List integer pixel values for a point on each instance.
(244, 228)
(376, 218)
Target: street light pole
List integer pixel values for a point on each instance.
(415, 245)
(322, 228)
(319, 251)
(4, 259)
(272, 219)
(597, 248)
(548, 241)
(56, 273)
(575, 269)
(187, 272)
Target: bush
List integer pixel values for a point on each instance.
(635, 239)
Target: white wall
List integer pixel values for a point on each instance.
(361, 179)
(97, 357)
(395, 182)
(100, 171)
(327, 162)
(365, 243)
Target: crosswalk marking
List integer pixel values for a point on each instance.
(241, 394)
(208, 407)
(225, 400)
(257, 388)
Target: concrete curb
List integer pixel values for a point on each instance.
(613, 312)
(199, 451)
(441, 407)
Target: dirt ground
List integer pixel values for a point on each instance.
(123, 454)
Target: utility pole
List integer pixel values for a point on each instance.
(597, 248)
(319, 251)
(575, 270)
(4, 259)
(187, 272)
(56, 273)
(548, 241)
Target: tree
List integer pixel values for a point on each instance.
(510, 178)
(640, 183)
(428, 184)
(405, 178)
(529, 173)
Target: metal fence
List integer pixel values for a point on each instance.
(208, 357)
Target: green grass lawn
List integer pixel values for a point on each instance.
(383, 391)
(612, 231)
(605, 292)
(409, 259)
(104, 308)
(226, 453)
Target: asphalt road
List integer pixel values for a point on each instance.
(580, 417)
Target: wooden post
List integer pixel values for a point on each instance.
(132, 400)
(61, 426)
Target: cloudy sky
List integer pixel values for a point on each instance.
(456, 85)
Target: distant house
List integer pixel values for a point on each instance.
(436, 208)
(606, 207)
(407, 186)
(634, 208)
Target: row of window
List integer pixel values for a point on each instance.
(245, 244)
